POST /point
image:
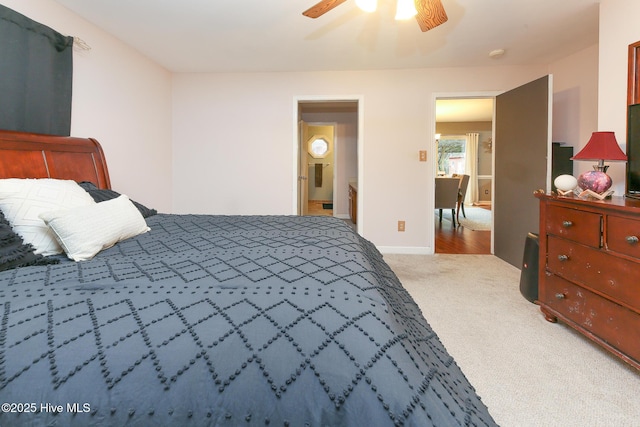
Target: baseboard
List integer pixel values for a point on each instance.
(409, 250)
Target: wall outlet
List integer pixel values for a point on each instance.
(400, 225)
(423, 155)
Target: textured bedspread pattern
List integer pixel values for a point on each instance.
(226, 321)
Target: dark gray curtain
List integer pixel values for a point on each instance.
(36, 68)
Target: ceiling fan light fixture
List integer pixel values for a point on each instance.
(406, 9)
(428, 13)
(367, 5)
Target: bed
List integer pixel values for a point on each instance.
(205, 320)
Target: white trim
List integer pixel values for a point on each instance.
(361, 183)
(549, 133)
(296, 147)
(406, 250)
(493, 175)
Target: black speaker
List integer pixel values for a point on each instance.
(529, 274)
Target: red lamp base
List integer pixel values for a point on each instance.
(596, 181)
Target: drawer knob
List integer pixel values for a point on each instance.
(567, 223)
(563, 258)
(560, 296)
(632, 240)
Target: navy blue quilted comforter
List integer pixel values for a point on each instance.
(225, 321)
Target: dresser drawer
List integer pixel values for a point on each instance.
(612, 324)
(623, 235)
(616, 277)
(579, 226)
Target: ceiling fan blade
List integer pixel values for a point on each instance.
(430, 14)
(321, 8)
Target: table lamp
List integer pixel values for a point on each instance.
(602, 146)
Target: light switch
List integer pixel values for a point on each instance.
(423, 155)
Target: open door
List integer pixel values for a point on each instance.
(522, 164)
(303, 170)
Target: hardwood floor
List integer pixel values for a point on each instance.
(449, 240)
(315, 207)
(460, 240)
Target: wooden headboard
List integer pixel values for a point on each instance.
(30, 155)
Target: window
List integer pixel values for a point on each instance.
(451, 154)
(318, 146)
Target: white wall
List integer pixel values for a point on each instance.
(225, 125)
(575, 101)
(120, 98)
(206, 143)
(618, 29)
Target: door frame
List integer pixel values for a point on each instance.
(433, 165)
(359, 99)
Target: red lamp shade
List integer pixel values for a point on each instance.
(602, 146)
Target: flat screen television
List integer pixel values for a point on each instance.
(633, 152)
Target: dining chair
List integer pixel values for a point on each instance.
(446, 190)
(462, 193)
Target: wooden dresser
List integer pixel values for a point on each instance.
(589, 269)
(353, 202)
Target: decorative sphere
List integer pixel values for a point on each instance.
(565, 182)
(595, 181)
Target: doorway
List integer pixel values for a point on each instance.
(521, 161)
(317, 152)
(464, 146)
(324, 178)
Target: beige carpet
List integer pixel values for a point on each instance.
(529, 372)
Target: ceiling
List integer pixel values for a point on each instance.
(273, 35)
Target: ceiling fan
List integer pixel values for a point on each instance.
(430, 13)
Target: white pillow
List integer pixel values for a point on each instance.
(84, 231)
(23, 200)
